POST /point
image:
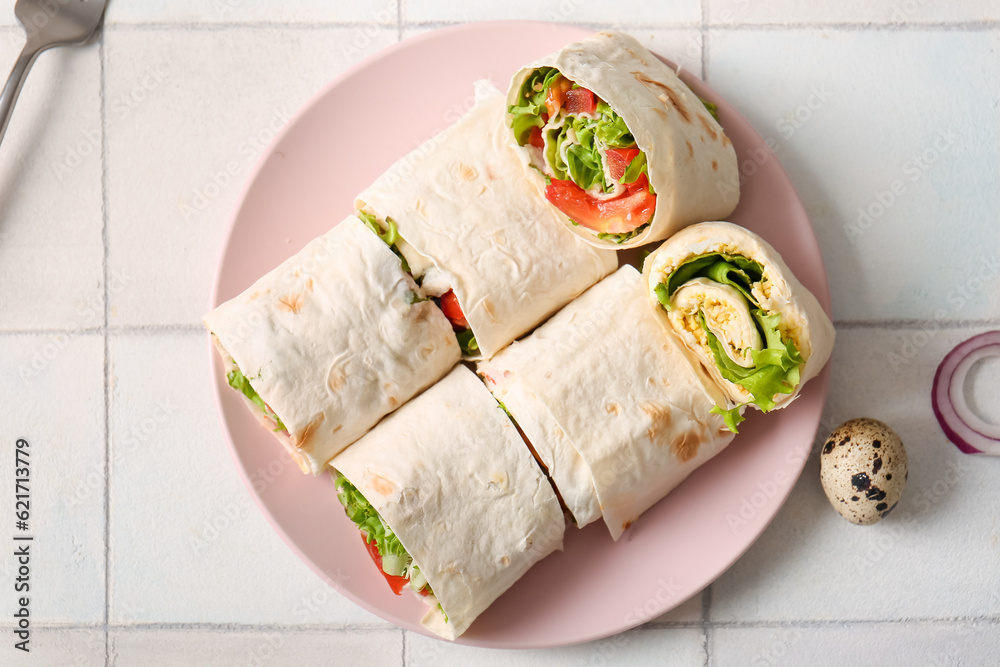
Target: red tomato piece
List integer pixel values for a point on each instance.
(453, 311)
(395, 583)
(619, 159)
(556, 96)
(620, 215)
(535, 138)
(580, 100)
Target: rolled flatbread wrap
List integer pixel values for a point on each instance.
(330, 341)
(451, 479)
(477, 233)
(623, 148)
(609, 405)
(750, 330)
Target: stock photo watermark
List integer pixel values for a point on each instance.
(140, 433)
(238, 505)
(382, 21)
(305, 611)
(912, 170)
(778, 648)
(982, 275)
(221, 178)
(22, 546)
(89, 316)
(753, 159)
(918, 504)
(121, 107)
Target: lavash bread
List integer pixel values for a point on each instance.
(332, 341)
(802, 317)
(692, 163)
(450, 475)
(472, 221)
(617, 395)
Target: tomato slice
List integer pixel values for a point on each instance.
(453, 311)
(619, 159)
(535, 138)
(395, 583)
(620, 215)
(580, 100)
(556, 96)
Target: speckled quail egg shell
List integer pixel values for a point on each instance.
(863, 470)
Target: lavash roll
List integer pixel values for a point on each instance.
(450, 475)
(332, 341)
(803, 319)
(471, 221)
(692, 163)
(598, 385)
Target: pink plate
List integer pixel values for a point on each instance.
(337, 145)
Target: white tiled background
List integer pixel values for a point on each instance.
(103, 279)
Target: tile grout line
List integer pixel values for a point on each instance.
(399, 20)
(321, 628)
(917, 323)
(704, 40)
(706, 616)
(871, 26)
(402, 657)
(132, 329)
(940, 26)
(107, 364)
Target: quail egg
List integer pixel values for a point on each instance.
(863, 470)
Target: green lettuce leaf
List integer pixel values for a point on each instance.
(775, 369)
(395, 559)
(527, 113)
(636, 168)
(734, 270)
(713, 109)
(610, 128)
(583, 159)
(467, 341)
(621, 238)
(390, 236)
(732, 416)
(583, 163)
(413, 297)
(661, 295)
(240, 383)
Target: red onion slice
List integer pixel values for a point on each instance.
(966, 431)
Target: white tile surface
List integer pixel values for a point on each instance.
(65, 647)
(879, 136)
(559, 11)
(241, 648)
(250, 11)
(645, 646)
(936, 556)
(209, 98)
(188, 544)
(53, 398)
(933, 644)
(682, 46)
(51, 251)
(730, 12)
(689, 612)
(188, 84)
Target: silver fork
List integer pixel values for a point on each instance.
(47, 23)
